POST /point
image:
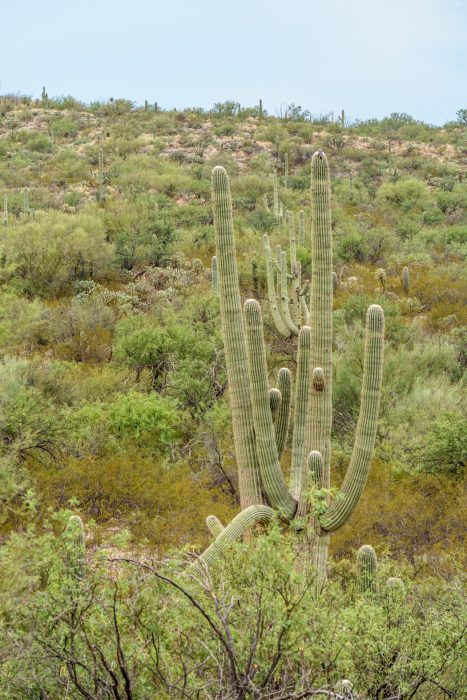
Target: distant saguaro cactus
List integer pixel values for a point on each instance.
(405, 279)
(75, 547)
(100, 175)
(261, 414)
(286, 170)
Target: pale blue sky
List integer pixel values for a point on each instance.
(371, 57)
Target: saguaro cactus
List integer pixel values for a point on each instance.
(405, 279)
(288, 306)
(261, 414)
(366, 568)
(100, 175)
(75, 547)
(5, 209)
(286, 170)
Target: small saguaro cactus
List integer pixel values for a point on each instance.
(75, 547)
(260, 109)
(405, 279)
(286, 170)
(266, 203)
(261, 415)
(381, 276)
(26, 209)
(342, 119)
(366, 569)
(335, 281)
(214, 273)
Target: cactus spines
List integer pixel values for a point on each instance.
(214, 273)
(215, 526)
(366, 568)
(405, 279)
(395, 590)
(301, 228)
(5, 209)
(234, 341)
(75, 547)
(286, 170)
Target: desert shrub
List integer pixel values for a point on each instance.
(63, 128)
(445, 446)
(48, 253)
(407, 195)
(278, 635)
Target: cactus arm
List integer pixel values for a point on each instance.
(234, 342)
(75, 547)
(275, 398)
(357, 472)
(272, 297)
(247, 518)
(285, 296)
(295, 271)
(366, 568)
(284, 384)
(297, 475)
(214, 274)
(214, 525)
(272, 478)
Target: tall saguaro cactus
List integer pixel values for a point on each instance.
(261, 414)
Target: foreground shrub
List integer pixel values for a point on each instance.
(255, 627)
